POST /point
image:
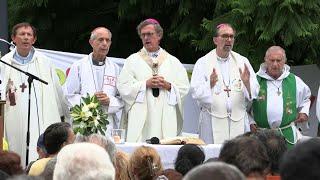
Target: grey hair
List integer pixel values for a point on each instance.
(215, 170)
(275, 48)
(93, 35)
(157, 27)
(83, 161)
(105, 142)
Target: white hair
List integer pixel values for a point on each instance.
(83, 161)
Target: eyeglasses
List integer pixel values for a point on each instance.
(227, 36)
(148, 34)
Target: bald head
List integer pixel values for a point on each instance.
(275, 60)
(99, 30)
(274, 49)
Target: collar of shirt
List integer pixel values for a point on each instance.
(223, 59)
(23, 60)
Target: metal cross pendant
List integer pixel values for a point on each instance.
(227, 90)
(23, 86)
(279, 92)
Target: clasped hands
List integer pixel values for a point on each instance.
(158, 82)
(103, 98)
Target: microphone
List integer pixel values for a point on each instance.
(153, 140)
(12, 46)
(155, 91)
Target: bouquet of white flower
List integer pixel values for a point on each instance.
(88, 117)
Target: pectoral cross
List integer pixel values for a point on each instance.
(23, 86)
(227, 90)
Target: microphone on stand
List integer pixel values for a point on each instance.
(153, 140)
(12, 46)
(155, 91)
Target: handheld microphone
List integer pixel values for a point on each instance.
(155, 91)
(153, 140)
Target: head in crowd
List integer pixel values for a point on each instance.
(275, 145)
(83, 161)
(224, 36)
(275, 59)
(41, 149)
(302, 161)
(215, 170)
(56, 136)
(100, 41)
(104, 142)
(121, 165)
(188, 157)
(144, 163)
(10, 163)
(170, 174)
(248, 154)
(151, 34)
(24, 35)
(49, 169)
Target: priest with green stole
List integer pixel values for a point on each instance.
(283, 100)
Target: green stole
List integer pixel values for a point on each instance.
(289, 107)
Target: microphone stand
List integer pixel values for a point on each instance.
(31, 77)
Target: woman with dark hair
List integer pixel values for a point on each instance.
(189, 156)
(10, 163)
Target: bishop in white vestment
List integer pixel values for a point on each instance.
(153, 85)
(223, 82)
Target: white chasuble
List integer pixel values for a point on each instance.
(46, 103)
(149, 116)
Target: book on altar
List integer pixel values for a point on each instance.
(179, 140)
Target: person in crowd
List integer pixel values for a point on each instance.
(302, 161)
(10, 163)
(189, 156)
(121, 165)
(106, 143)
(47, 173)
(48, 104)
(56, 136)
(283, 100)
(41, 150)
(144, 163)
(83, 161)
(153, 85)
(248, 154)
(215, 170)
(318, 105)
(169, 174)
(276, 147)
(222, 82)
(97, 75)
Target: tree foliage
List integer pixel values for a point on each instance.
(188, 25)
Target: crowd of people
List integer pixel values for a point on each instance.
(254, 115)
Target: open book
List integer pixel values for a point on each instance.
(182, 140)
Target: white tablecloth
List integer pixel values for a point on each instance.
(168, 153)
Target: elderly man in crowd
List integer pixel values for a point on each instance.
(97, 75)
(222, 82)
(283, 97)
(153, 85)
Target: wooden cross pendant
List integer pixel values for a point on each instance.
(23, 86)
(227, 90)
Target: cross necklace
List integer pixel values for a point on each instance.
(278, 87)
(23, 85)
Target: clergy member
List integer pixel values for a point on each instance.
(97, 75)
(283, 98)
(47, 101)
(223, 82)
(153, 85)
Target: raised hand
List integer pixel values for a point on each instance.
(213, 78)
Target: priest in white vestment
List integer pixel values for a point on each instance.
(153, 85)
(223, 82)
(283, 100)
(47, 101)
(97, 75)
